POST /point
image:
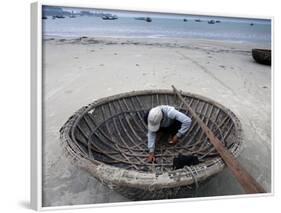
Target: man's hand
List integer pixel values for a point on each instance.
(174, 140)
(151, 158)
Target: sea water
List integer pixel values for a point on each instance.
(161, 26)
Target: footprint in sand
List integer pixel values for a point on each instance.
(222, 66)
(101, 65)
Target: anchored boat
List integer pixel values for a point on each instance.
(108, 139)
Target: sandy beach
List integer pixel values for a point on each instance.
(77, 72)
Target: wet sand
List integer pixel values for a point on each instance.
(78, 71)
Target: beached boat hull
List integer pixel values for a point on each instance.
(108, 139)
(262, 56)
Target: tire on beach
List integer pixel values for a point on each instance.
(108, 139)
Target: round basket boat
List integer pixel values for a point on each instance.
(108, 138)
(262, 56)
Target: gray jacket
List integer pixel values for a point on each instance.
(169, 115)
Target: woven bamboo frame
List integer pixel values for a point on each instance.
(108, 139)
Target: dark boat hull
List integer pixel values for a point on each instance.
(262, 56)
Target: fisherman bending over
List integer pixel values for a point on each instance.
(167, 119)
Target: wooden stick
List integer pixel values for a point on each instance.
(248, 183)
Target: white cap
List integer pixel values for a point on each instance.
(154, 119)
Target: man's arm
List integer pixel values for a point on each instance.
(151, 137)
(184, 119)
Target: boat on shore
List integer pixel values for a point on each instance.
(262, 56)
(108, 138)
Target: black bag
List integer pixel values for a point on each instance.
(184, 160)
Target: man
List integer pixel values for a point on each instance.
(167, 119)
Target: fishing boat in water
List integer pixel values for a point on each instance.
(59, 16)
(147, 19)
(108, 138)
(211, 22)
(109, 17)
